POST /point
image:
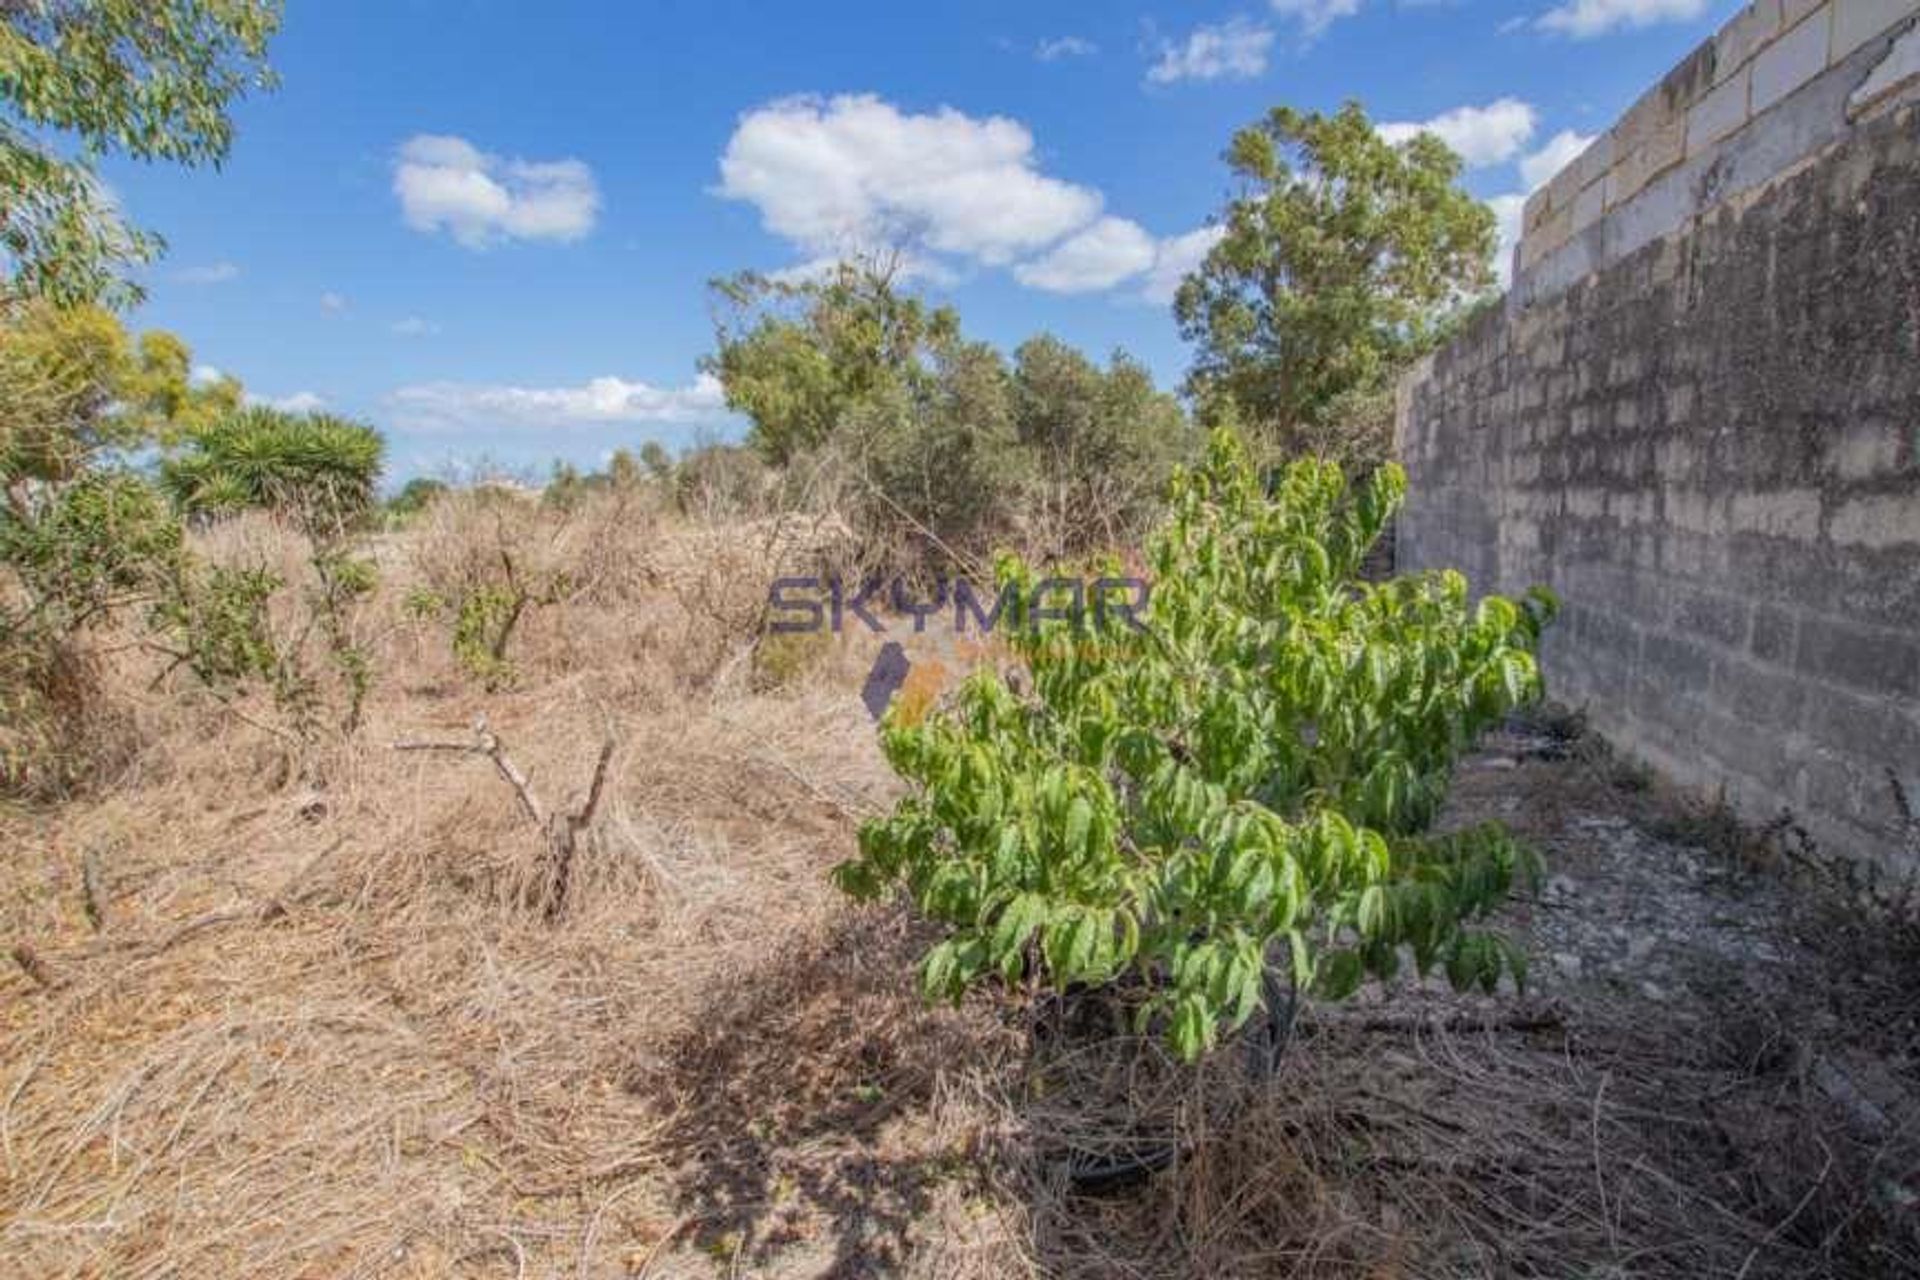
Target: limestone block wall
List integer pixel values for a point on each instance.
(1698, 419)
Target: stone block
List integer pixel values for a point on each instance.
(1720, 113)
(1534, 212)
(1593, 163)
(1857, 21)
(1877, 521)
(1787, 513)
(1710, 615)
(1744, 36)
(1869, 659)
(1899, 69)
(1775, 635)
(1770, 698)
(1679, 665)
(1791, 61)
(1589, 205)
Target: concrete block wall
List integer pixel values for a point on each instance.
(1781, 81)
(1698, 419)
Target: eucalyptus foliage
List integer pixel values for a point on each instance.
(151, 79)
(1341, 258)
(1243, 780)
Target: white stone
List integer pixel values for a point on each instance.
(1744, 35)
(1791, 61)
(1857, 21)
(1589, 205)
(1718, 114)
(1901, 64)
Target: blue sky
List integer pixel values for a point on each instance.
(486, 226)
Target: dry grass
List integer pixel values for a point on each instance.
(315, 1032)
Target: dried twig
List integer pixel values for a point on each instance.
(93, 891)
(33, 966)
(561, 829)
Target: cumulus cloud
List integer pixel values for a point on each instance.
(1235, 50)
(1176, 259)
(1562, 149)
(446, 183)
(298, 402)
(1315, 16)
(1100, 257)
(1064, 47)
(333, 303)
(1482, 135)
(457, 406)
(414, 327)
(1584, 19)
(212, 273)
(854, 174)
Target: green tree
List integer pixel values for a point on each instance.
(1097, 444)
(415, 496)
(655, 458)
(151, 79)
(1343, 254)
(798, 356)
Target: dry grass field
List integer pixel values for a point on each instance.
(286, 1011)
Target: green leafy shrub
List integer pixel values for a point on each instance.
(317, 469)
(482, 612)
(1244, 780)
(217, 621)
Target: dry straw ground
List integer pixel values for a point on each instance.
(313, 1031)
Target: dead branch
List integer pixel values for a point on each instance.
(33, 966)
(93, 891)
(561, 830)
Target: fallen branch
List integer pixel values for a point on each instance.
(561, 829)
(33, 966)
(93, 891)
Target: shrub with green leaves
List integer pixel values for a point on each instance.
(317, 469)
(1241, 778)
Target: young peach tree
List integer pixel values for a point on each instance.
(1229, 786)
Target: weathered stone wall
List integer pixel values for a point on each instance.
(1707, 439)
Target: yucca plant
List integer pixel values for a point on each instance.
(316, 468)
(1232, 793)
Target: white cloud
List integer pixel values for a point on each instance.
(456, 405)
(1315, 16)
(900, 268)
(854, 174)
(213, 273)
(298, 402)
(333, 303)
(448, 183)
(1562, 149)
(1064, 47)
(1584, 19)
(1235, 50)
(1176, 259)
(1100, 257)
(1482, 135)
(414, 327)
(204, 375)
(1506, 217)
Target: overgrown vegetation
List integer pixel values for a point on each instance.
(940, 444)
(1243, 781)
